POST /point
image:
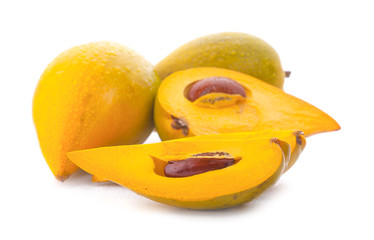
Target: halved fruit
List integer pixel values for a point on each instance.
(217, 105)
(249, 167)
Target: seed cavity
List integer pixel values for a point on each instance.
(216, 99)
(213, 154)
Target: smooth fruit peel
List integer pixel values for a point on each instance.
(93, 95)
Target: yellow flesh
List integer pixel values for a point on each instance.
(294, 138)
(266, 107)
(133, 167)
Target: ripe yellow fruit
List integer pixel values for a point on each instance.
(93, 95)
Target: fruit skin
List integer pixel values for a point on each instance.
(93, 95)
(139, 168)
(265, 107)
(232, 50)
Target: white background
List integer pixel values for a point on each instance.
(328, 46)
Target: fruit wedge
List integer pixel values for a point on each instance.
(191, 174)
(203, 101)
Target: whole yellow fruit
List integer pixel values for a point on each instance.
(93, 95)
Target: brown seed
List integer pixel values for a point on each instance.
(192, 166)
(212, 85)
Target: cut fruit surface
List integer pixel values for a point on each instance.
(294, 138)
(262, 107)
(257, 165)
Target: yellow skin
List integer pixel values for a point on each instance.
(237, 51)
(264, 107)
(93, 95)
(260, 164)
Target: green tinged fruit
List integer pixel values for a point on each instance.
(236, 51)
